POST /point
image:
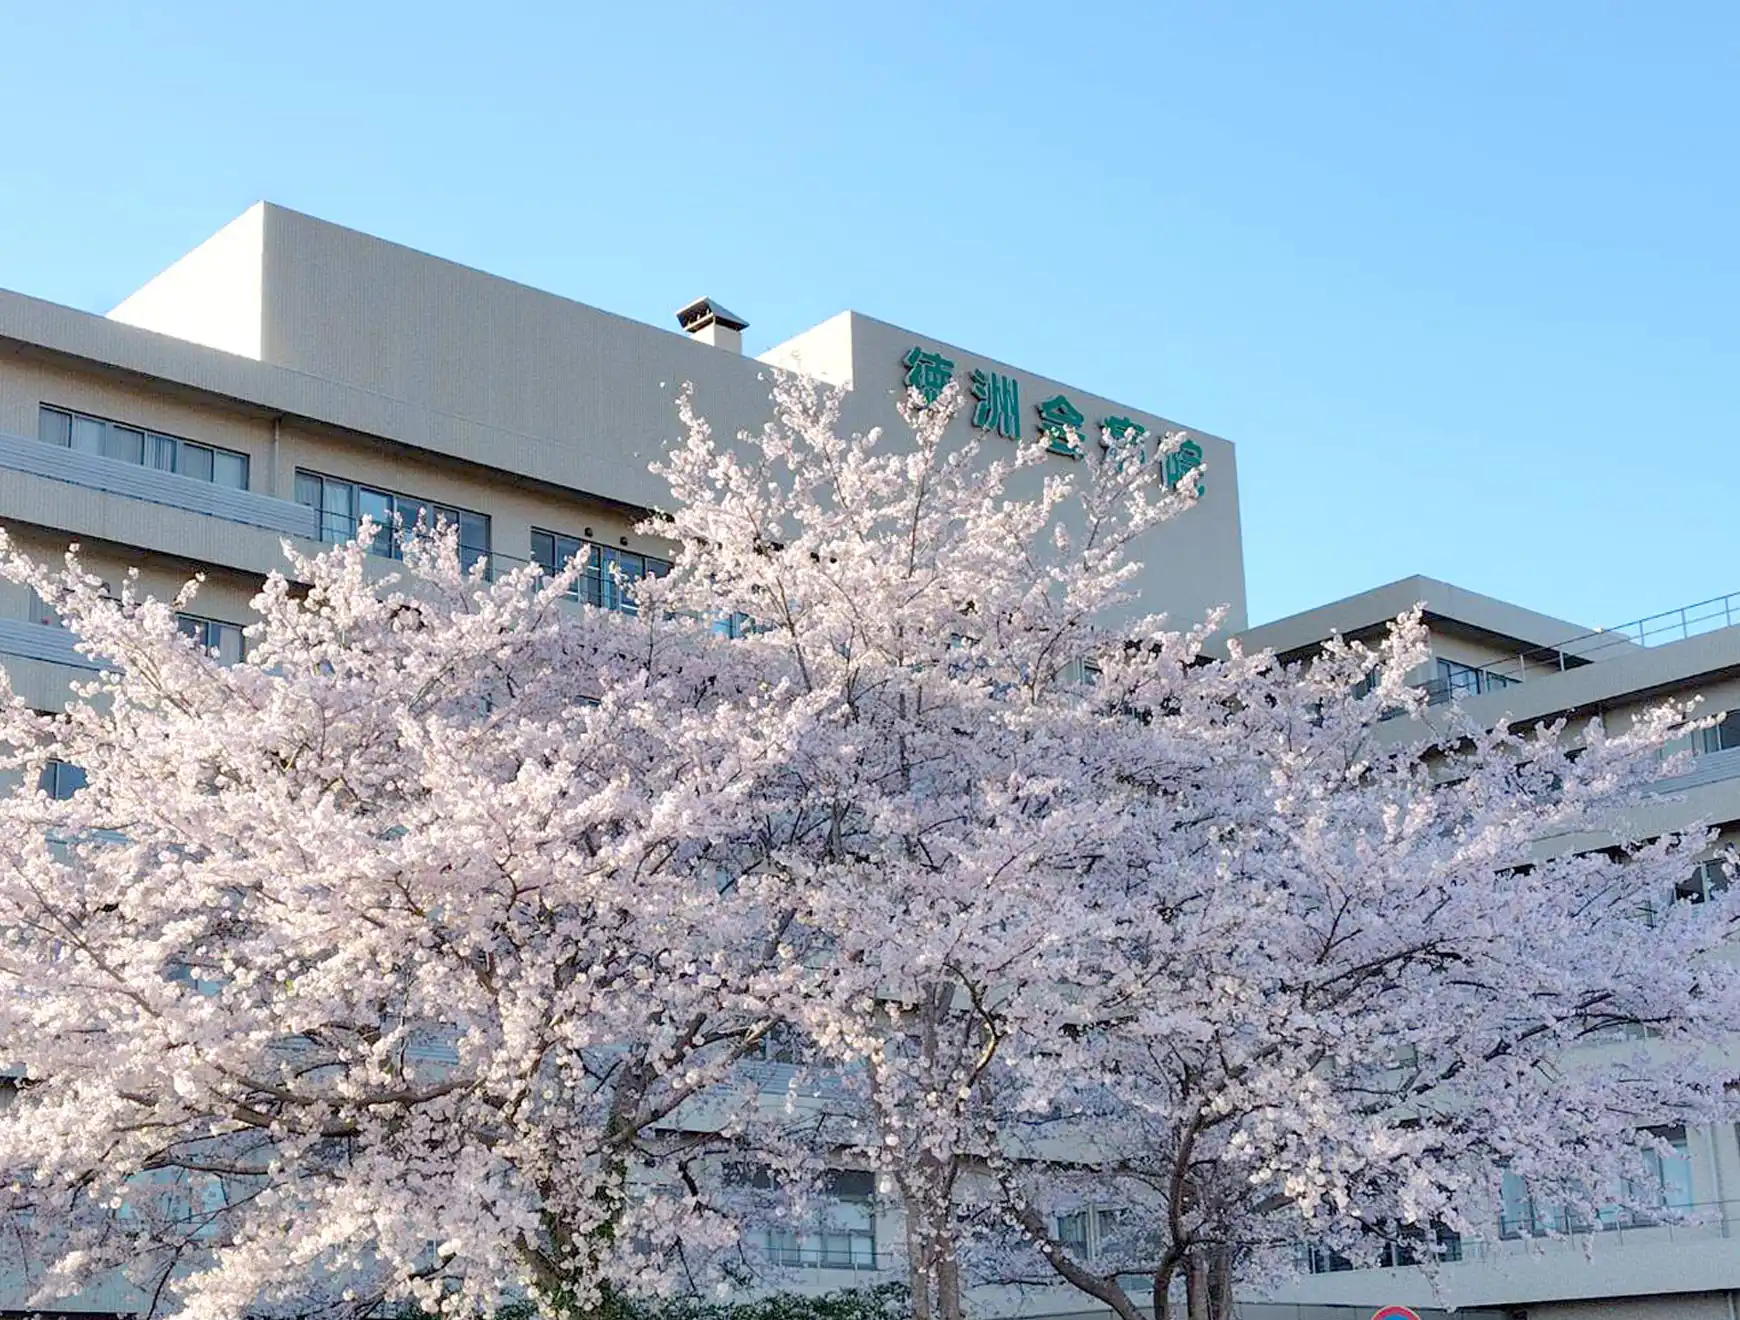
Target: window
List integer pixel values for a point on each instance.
(1409, 1245)
(1720, 737)
(60, 779)
(781, 1044)
(607, 576)
(1456, 680)
(1083, 673)
(1668, 1178)
(843, 1237)
(1666, 1184)
(223, 639)
(1412, 1244)
(133, 444)
(40, 611)
(1091, 1232)
(1072, 1233)
(1707, 879)
(342, 505)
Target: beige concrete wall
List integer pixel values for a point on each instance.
(275, 453)
(1680, 1306)
(1191, 565)
(507, 375)
(1467, 650)
(28, 382)
(223, 594)
(539, 389)
(545, 377)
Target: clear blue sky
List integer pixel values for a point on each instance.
(1459, 279)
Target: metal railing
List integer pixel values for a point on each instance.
(599, 585)
(1674, 625)
(115, 476)
(1702, 1222)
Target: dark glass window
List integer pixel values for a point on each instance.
(1707, 878)
(133, 444)
(223, 639)
(607, 574)
(60, 779)
(1720, 737)
(344, 504)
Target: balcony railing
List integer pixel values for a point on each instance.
(115, 477)
(42, 641)
(1705, 768)
(1674, 625)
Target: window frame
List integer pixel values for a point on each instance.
(1459, 678)
(594, 584)
(1708, 878)
(1722, 736)
(208, 634)
(822, 1241)
(338, 525)
(148, 444)
(57, 774)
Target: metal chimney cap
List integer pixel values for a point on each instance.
(704, 312)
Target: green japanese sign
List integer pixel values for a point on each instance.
(1060, 423)
(1125, 441)
(999, 407)
(1182, 461)
(928, 373)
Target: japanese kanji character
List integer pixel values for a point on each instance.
(1060, 423)
(928, 373)
(999, 407)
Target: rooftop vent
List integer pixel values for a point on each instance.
(712, 324)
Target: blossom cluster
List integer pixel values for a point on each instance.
(434, 953)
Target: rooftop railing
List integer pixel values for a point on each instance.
(1701, 1222)
(1674, 625)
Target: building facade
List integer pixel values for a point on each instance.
(1501, 661)
(289, 377)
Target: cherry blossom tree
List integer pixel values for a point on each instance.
(417, 957)
(945, 800)
(1228, 939)
(372, 967)
(1409, 954)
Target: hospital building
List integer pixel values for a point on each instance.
(289, 377)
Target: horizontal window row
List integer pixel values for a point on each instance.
(134, 444)
(342, 506)
(223, 640)
(1667, 1184)
(842, 1236)
(1412, 1246)
(607, 575)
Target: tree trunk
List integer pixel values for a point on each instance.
(932, 1269)
(1220, 1283)
(1196, 1285)
(918, 1270)
(1163, 1284)
(948, 1281)
(1208, 1283)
